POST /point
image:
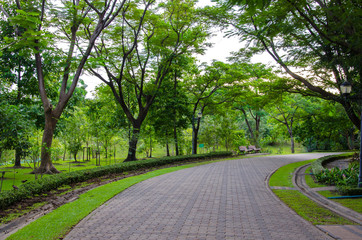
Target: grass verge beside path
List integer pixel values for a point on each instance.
(283, 176)
(298, 202)
(310, 210)
(353, 203)
(58, 222)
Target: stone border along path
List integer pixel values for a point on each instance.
(222, 200)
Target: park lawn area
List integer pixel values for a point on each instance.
(353, 203)
(15, 176)
(283, 176)
(57, 223)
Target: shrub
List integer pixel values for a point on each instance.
(345, 180)
(52, 182)
(339, 177)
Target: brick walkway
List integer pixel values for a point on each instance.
(224, 200)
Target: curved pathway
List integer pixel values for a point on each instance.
(222, 200)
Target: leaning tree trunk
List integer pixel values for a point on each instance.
(133, 145)
(46, 166)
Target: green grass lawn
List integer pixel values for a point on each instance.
(58, 222)
(310, 210)
(283, 176)
(353, 203)
(15, 176)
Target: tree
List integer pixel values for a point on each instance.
(138, 52)
(37, 20)
(170, 112)
(316, 42)
(253, 94)
(325, 126)
(15, 129)
(105, 118)
(74, 132)
(207, 88)
(286, 110)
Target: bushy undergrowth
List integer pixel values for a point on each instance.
(346, 180)
(317, 166)
(52, 182)
(339, 177)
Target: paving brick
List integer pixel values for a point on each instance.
(223, 200)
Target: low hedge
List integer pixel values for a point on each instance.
(317, 167)
(52, 182)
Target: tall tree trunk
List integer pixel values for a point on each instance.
(290, 131)
(133, 144)
(194, 140)
(257, 131)
(248, 124)
(175, 139)
(292, 143)
(46, 165)
(17, 158)
(150, 146)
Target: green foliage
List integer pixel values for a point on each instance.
(345, 179)
(52, 182)
(317, 166)
(339, 177)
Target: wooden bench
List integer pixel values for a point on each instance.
(244, 150)
(252, 148)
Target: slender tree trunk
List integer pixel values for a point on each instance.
(46, 165)
(292, 143)
(176, 142)
(248, 124)
(167, 149)
(194, 140)
(17, 159)
(150, 146)
(291, 139)
(257, 131)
